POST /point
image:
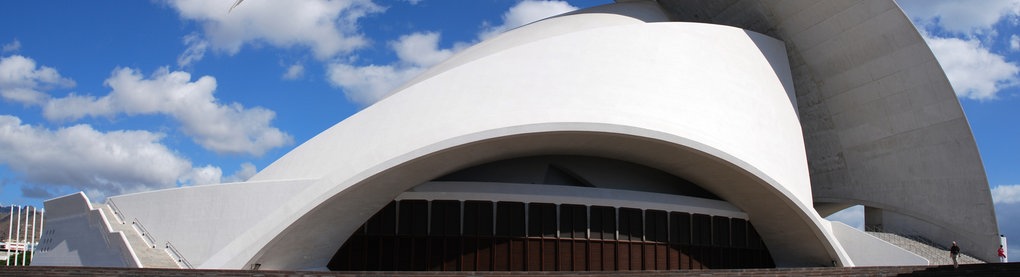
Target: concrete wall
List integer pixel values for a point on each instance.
(711, 104)
(882, 125)
(200, 220)
(679, 97)
(866, 250)
(76, 234)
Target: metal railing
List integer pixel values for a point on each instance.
(116, 211)
(145, 233)
(178, 256)
(149, 239)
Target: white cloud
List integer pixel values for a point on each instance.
(242, 174)
(367, 84)
(14, 46)
(974, 71)
(204, 175)
(1006, 194)
(294, 72)
(328, 28)
(209, 174)
(194, 52)
(526, 12)
(229, 128)
(853, 216)
(961, 17)
(22, 81)
(83, 158)
(417, 52)
(421, 49)
(1014, 42)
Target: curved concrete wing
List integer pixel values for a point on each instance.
(882, 125)
(695, 100)
(775, 109)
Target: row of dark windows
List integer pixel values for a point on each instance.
(485, 235)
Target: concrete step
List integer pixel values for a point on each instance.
(937, 255)
(151, 256)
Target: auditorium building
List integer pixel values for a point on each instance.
(639, 135)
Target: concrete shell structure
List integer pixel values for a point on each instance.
(756, 112)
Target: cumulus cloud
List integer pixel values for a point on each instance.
(961, 17)
(1014, 42)
(203, 175)
(242, 174)
(853, 216)
(22, 81)
(974, 71)
(294, 72)
(223, 128)
(214, 175)
(416, 52)
(421, 49)
(82, 158)
(326, 27)
(13, 46)
(1006, 194)
(367, 84)
(526, 12)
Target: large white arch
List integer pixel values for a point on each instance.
(646, 92)
(708, 103)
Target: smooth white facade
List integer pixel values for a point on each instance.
(713, 104)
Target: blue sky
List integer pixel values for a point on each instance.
(112, 97)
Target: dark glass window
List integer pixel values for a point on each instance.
(477, 218)
(413, 218)
(680, 228)
(701, 229)
(450, 235)
(656, 226)
(573, 221)
(510, 219)
(542, 220)
(631, 225)
(445, 219)
(603, 222)
(720, 231)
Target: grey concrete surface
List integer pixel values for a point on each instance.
(882, 125)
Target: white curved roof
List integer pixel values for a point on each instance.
(680, 97)
(836, 110)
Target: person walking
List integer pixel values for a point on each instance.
(1002, 254)
(954, 252)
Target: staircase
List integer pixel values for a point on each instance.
(150, 255)
(992, 269)
(935, 254)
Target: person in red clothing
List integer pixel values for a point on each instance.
(1002, 254)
